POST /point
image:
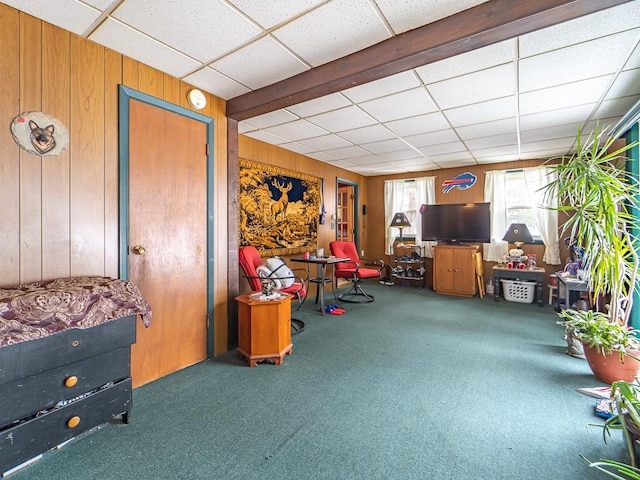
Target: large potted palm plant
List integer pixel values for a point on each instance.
(599, 198)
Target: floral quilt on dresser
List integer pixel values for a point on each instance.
(44, 308)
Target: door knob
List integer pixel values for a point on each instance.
(139, 250)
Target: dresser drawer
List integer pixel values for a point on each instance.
(30, 438)
(35, 356)
(26, 396)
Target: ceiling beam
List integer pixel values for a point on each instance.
(479, 26)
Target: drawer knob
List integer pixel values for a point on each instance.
(71, 381)
(73, 422)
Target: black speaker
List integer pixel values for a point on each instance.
(364, 209)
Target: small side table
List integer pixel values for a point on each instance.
(536, 274)
(264, 329)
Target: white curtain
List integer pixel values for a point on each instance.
(536, 180)
(393, 196)
(393, 202)
(495, 191)
(426, 193)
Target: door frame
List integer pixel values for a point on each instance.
(356, 207)
(124, 95)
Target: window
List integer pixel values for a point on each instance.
(519, 207)
(410, 207)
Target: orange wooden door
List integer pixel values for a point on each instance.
(168, 218)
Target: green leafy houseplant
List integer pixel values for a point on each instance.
(595, 330)
(598, 196)
(625, 401)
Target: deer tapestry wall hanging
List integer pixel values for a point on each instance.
(39, 133)
(278, 209)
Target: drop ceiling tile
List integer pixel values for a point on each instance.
(341, 27)
(325, 142)
(454, 156)
(369, 134)
(341, 164)
(365, 160)
(452, 163)
(634, 59)
(625, 84)
(432, 138)
(616, 108)
(482, 112)
(267, 137)
(569, 65)
(560, 116)
(297, 130)
(429, 122)
(415, 163)
(473, 61)
(492, 141)
(549, 133)
(346, 118)
(320, 105)
(496, 127)
(390, 145)
(475, 87)
(383, 87)
(321, 156)
(555, 145)
(443, 148)
(400, 105)
(543, 154)
(99, 4)
(272, 13)
(244, 128)
(606, 22)
(421, 162)
(271, 119)
(68, 14)
(347, 152)
(121, 38)
(269, 62)
(297, 147)
(212, 81)
(398, 155)
(577, 93)
(503, 151)
(202, 33)
(406, 15)
(497, 159)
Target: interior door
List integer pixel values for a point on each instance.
(168, 238)
(345, 226)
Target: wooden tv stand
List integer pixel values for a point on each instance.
(454, 270)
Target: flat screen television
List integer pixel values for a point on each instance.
(456, 222)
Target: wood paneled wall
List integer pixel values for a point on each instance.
(60, 214)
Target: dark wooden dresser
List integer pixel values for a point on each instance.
(61, 385)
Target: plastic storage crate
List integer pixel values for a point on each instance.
(520, 291)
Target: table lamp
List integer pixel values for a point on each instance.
(518, 234)
(400, 221)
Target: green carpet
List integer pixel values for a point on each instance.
(413, 386)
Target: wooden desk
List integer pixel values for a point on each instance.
(264, 328)
(536, 274)
(321, 278)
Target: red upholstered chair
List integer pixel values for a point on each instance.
(353, 270)
(250, 260)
